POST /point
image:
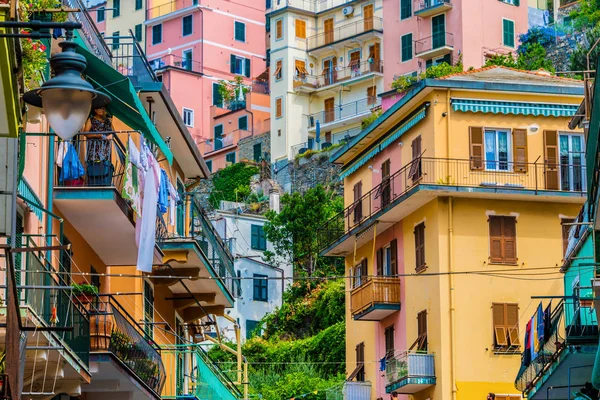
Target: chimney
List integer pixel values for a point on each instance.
(274, 200)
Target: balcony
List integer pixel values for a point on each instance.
(129, 59)
(227, 141)
(427, 8)
(573, 342)
(122, 350)
(409, 372)
(375, 299)
(434, 46)
(343, 114)
(425, 178)
(364, 29)
(169, 7)
(91, 198)
(171, 60)
(313, 6)
(350, 391)
(346, 76)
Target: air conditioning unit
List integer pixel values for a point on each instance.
(347, 11)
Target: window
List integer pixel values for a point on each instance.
(218, 137)
(187, 59)
(139, 4)
(300, 29)
(239, 65)
(371, 95)
(187, 25)
(278, 70)
(239, 33)
(188, 117)
(261, 287)
(138, 32)
(571, 152)
(421, 343)
(279, 29)
(230, 157)
(257, 152)
(148, 310)
(508, 33)
(360, 273)
(357, 205)
(258, 240)
(116, 8)
(100, 15)
(389, 341)
(415, 171)
(359, 372)
(268, 58)
(243, 123)
(115, 40)
(385, 191)
(252, 328)
(405, 9)
(497, 150)
(566, 227)
(278, 110)
(278, 132)
(420, 247)
(407, 44)
(300, 69)
(209, 165)
(503, 243)
(157, 34)
(217, 97)
(505, 325)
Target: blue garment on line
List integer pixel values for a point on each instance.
(71, 167)
(540, 325)
(163, 192)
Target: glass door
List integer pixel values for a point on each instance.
(572, 173)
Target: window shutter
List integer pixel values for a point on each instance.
(278, 29)
(247, 68)
(520, 149)
(232, 63)
(512, 324)
(254, 237)
(509, 233)
(495, 239)
(551, 159)
(278, 108)
(394, 257)
(499, 324)
(420, 246)
(380, 262)
(364, 271)
(476, 147)
(217, 99)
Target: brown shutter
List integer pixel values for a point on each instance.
(415, 168)
(509, 233)
(420, 246)
(329, 109)
(512, 324)
(551, 159)
(371, 93)
(496, 244)
(357, 202)
(520, 150)
(394, 257)
(380, 262)
(422, 330)
(278, 108)
(278, 29)
(364, 271)
(476, 147)
(499, 324)
(301, 29)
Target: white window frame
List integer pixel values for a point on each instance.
(582, 166)
(244, 59)
(183, 34)
(387, 263)
(191, 114)
(509, 160)
(245, 31)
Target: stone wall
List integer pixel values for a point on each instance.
(246, 147)
(306, 173)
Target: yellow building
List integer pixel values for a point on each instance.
(455, 199)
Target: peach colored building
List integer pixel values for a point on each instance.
(420, 33)
(193, 45)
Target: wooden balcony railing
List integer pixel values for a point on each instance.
(377, 290)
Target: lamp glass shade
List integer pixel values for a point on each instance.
(66, 110)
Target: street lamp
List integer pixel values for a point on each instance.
(67, 99)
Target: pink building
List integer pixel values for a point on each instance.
(420, 33)
(98, 14)
(195, 44)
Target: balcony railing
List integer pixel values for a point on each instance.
(314, 6)
(431, 43)
(113, 330)
(344, 111)
(261, 87)
(424, 5)
(350, 391)
(497, 176)
(375, 291)
(172, 60)
(343, 32)
(169, 7)
(90, 33)
(129, 59)
(338, 75)
(410, 368)
(226, 140)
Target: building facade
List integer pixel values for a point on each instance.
(459, 163)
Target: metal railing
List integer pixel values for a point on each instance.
(169, 7)
(261, 87)
(91, 35)
(171, 60)
(314, 6)
(434, 42)
(409, 364)
(421, 5)
(498, 176)
(376, 290)
(113, 330)
(129, 59)
(350, 391)
(312, 145)
(344, 32)
(226, 140)
(343, 111)
(338, 75)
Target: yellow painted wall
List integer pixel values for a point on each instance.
(127, 20)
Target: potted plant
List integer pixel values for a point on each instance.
(587, 300)
(119, 344)
(84, 292)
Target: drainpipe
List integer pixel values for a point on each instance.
(452, 297)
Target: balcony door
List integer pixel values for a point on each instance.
(571, 160)
(368, 17)
(354, 63)
(374, 57)
(329, 109)
(328, 28)
(329, 71)
(438, 31)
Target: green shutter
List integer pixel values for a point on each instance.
(138, 32)
(148, 309)
(247, 67)
(243, 123)
(116, 8)
(508, 33)
(405, 9)
(232, 64)
(257, 152)
(156, 34)
(218, 139)
(138, 4)
(438, 31)
(115, 40)
(407, 47)
(517, 3)
(240, 31)
(254, 237)
(100, 16)
(217, 98)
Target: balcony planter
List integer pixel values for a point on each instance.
(84, 292)
(120, 345)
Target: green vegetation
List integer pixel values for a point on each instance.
(579, 56)
(229, 90)
(531, 57)
(232, 183)
(404, 82)
(371, 118)
(310, 153)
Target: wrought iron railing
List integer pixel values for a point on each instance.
(130, 60)
(261, 87)
(338, 75)
(344, 111)
(409, 364)
(376, 290)
(91, 35)
(171, 60)
(343, 32)
(169, 7)
(498, 176)
(434, 42)
(422, 5)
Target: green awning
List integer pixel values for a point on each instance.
(125, 105)
(30, 197)
(516, 108)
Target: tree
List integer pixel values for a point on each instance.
(534, 57)
(587, 14)
(293, 231)
(579, 56)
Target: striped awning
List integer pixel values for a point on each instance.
(30, 197)
(516, 108)
(393, 136)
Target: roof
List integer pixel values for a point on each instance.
(499, 74)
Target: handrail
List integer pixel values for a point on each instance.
(433, 42)
(421, 5)
(341, 111)
(344, 32)
(89, 29)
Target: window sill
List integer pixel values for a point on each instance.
(261, 300)
(508, 352)
(503, 264)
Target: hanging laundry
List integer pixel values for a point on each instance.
(174, 199)
(163, 192)
(526, 357)
(540, 326)
(131, 189)
(62, 152)
(72, 169)
(548, 321)
(147, 232)
(533, 342)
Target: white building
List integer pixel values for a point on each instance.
(262, 285)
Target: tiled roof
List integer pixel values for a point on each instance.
(511, 75)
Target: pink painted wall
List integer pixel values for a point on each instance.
(101, 26)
